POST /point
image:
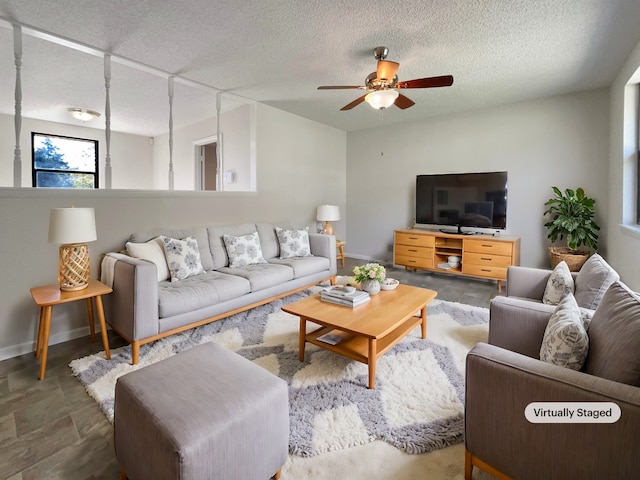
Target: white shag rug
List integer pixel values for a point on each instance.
(416, 407)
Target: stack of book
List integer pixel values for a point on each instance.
(340, 296)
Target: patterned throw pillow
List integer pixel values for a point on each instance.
(293, 243)
(559, 284)
(183, 257)
(244, 250)
(565, 342)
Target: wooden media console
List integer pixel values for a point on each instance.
(482, 256)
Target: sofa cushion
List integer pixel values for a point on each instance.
(269, 239)
(559, 284)
(152, 251)
(183, 257)
(614, 336)
(262, 275)
(216, 241)
(197, 292)
(200, 234)
(293, 243)
(565, 342)
(303, 266)
(593, 280)
(243, 250)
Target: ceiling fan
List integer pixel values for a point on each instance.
(382, 85)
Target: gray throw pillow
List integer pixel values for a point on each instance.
(559, 284)
(565, 342)
(593, 280)
(614, 336)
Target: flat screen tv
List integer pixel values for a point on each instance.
(477, 200)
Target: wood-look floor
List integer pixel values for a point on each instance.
(53, 429)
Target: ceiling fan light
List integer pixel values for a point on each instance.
(381, 98)
(83, 114)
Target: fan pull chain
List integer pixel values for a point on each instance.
(382, 136)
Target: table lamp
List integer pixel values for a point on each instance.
(328, 214)
(72, 228)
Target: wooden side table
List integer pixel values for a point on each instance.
(48, 296)
(340, 249)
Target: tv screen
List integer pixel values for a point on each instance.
(476, 200)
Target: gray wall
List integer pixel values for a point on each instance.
(623, 236)
(301, 165)
(560, 141)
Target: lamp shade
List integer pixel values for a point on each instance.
(72, 225)
(381, 98)
(328, 213)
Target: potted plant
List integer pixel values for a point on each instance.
(572, 215)
(370, 276)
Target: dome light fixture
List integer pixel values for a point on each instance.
(83, 114)
(379, 99)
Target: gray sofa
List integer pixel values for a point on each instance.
(142, 309)
(506, 375)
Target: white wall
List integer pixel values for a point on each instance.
(301, 164)
(623, 236)
(235, 129)
(560, 141)
(131, 155)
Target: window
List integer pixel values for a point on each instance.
(64, 162)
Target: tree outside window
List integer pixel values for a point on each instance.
(64, 162)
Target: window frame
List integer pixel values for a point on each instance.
(35, 170)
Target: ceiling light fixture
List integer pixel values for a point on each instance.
(83, 114)
(381, 98)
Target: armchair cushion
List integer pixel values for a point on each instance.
(560, 283)
(593, 280)
(614, 336)
(565, 342)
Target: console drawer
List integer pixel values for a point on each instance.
(486, 259)
(412, 239)
(411, 251)
(485, 271)
(415, 262)
(488, 246)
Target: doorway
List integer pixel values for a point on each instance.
(208, 166)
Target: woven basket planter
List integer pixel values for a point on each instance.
(574, 258)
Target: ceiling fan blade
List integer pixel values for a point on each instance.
(387, 70)
(430, 82)
(338, 87)
(355, 103)
(404, 102)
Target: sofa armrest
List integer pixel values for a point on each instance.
(518, 325)
(324, 246)
(133, 305)
(527, 282)
(500, 384)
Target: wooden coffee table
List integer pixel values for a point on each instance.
(368, 331)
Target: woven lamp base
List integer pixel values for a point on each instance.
(73, 267)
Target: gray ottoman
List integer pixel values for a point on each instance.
(206, 413)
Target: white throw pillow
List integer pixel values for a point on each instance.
(293, 243)
(152, 251)
(244, 250)
(565, 342)
(559, 284)
(183, 257)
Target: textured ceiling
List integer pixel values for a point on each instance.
(277, 52)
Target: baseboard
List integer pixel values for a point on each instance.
(28, 347)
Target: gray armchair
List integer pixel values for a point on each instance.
(505, 376)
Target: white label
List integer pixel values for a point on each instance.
(572, 412)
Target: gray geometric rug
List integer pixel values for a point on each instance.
(417, 405)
